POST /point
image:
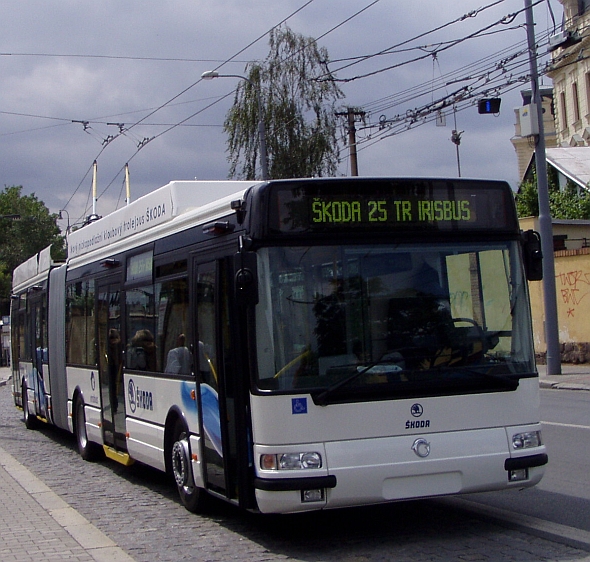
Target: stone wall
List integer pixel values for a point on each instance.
(571, 352)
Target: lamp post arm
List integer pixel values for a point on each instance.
(209, 75)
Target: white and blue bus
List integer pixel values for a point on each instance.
(293, 345)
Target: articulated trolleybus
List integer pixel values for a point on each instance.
(293, 345)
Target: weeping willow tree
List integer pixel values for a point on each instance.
(298, 112)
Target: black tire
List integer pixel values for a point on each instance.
(88, 450)
(29, 419)
(194, 499)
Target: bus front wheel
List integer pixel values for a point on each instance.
(192, 497)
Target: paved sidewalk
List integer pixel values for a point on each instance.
(573, 377)
(38, 525)
(5, 375)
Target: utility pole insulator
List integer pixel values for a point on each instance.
(456, 137)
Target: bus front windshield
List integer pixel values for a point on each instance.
(365, 322)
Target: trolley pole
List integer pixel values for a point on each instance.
(545, 224)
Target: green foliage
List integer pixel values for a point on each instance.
(567, 203)
(299, 112)
(527, 199)
(22, 238)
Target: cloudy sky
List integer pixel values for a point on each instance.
(84, 80)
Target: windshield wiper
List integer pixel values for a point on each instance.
(322, 398)
(504, 381)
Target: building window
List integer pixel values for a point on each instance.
(576, 102)
(563, 108)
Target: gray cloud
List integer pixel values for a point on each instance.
(43, 150)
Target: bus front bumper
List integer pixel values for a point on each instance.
(372, 471)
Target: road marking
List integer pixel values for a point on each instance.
(572, 536)
(567, 425)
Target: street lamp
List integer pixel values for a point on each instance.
(545, 222)
(61, 217)
(209, 75)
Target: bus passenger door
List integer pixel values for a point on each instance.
(17, 342)
(39, 354)
(215, 378)
(110, 364)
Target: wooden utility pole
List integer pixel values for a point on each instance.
(351, 113)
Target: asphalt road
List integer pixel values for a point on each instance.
(563, 496)
(137, 508)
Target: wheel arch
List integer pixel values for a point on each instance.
(174, 415)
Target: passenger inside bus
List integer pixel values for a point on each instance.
(179, 359)
(141, 353)
(421, 327)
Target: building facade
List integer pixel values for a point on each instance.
(570, 71)
(525, 146)
(567, 137)
(571, 239)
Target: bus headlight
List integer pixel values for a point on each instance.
(290, 461)
(526, 440)
(311, 460)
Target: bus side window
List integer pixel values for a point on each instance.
(141, 351)
(206, 324)
(175, 339)
(80, 323)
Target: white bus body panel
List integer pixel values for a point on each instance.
(93, 424)
(146, 443)
(148, 402)
(368, 446)
(167, 210)
(198, 478)
(85, 382)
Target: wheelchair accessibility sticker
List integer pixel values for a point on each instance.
(299, 405)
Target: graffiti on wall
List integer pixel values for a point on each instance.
(573, 287)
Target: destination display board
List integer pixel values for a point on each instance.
(349, 205)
